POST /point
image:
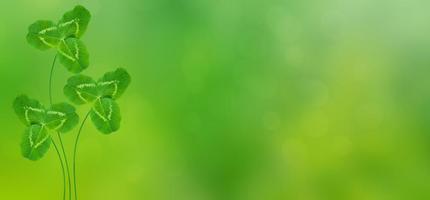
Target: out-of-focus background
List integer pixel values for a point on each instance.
(235, 100)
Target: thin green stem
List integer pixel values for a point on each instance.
(60, 139)
(74, 153)
(67, 165)
(50, 79)
(62, 169)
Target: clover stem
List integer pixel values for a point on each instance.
(60, 139)
(74, 153)
(67, 165)
(62, 169)
(50, 79)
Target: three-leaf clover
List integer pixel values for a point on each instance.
(64, 37)
(39, 120)
(105, 113)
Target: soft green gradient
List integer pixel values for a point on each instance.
(235, 100)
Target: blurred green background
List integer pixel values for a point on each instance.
(235, 100)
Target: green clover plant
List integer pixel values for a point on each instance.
(59, 118)
(105, 113)
(39, 120)
(63, 36)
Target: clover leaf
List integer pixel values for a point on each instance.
(64, 37)
(43, 35)
(105, 113)
(81, 89)
(74, 23)
(29, 111)
(35, 142)
(59, 117)
(73, 55)
(113, 84)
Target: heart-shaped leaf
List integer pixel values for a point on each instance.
(43, 35)
(61, 117)
(74, 23)
(81, 89)
(105, 115)
(73, 55)
(29, 111)
(35, 142)
(113, 84)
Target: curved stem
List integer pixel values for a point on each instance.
(62, 169)
(50, 79)
(74, 153)
(67, 165)
(59, 137)
(55, 145)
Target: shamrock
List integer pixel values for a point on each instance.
(59, 117)
(105, 113)
(64, 37)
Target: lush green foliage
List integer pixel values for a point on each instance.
(73, 54)
(80, 89)
(59, 117)
(75, 22)
(35, 142)
(64, 37)
(105, 114)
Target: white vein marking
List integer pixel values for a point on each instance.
(65, 54)
(83, 85)
(45, 42)
(108, 82)
(51, 112)
(80, 96)
(67, 23)
(77, 27)
(41, 141)
(48, 29)
(115, 82)
(61, 124)
(34, 109)
(75, 21)
(28, 109)
(99, 114)
(30, 137)
(77, 51)
(110, 111)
